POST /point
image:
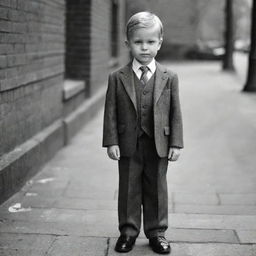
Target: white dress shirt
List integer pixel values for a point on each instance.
(136, 68)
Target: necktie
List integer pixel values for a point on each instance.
(144, 77)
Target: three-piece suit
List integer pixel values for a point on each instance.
(144, 120)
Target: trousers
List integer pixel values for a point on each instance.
(143, 188)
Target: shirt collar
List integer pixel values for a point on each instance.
(136, 65)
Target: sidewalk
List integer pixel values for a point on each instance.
(69, 208)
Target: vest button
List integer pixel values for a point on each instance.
(144, 106)
(145, 92)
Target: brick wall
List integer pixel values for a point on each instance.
(31, 68)
(42, 42)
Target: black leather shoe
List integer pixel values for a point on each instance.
(125, 243)
(160, 245)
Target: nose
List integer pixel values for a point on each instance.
(144, 46)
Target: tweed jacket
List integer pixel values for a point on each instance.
(120, 115)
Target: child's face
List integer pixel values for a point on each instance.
(144, 44)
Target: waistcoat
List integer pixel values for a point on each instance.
(144, 97)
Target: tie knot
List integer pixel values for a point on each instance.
(144, 69)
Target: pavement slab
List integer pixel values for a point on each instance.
(206, 221)
(78, 246)
(216, 209)
(247, 236)
(64, 229)
(24, 244)
(202, 235)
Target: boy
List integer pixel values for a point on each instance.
(143, 130)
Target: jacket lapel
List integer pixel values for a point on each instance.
(126, 76)
(160, 82)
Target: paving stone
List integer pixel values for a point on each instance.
(201, 235)
(86, 204)
(247, 236)
(36, 200)
(90, 191)
(205, 221)
(24, 244)
(216, 209)
(180, 249)
(74, 229)
(195, 198)
(50, 189)
(78, 246)
(84, 217)
(240, 199)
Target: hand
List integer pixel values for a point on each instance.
(114, 152)
(174, 154)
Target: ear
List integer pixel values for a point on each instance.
(160, 43)
(127, 44)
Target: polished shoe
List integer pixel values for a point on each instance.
(160, 245)
(125, 243)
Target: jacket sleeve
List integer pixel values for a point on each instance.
(110, 134)
(176, 138)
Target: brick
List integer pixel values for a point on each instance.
(3, 13)
(16, 60)
(7, 3)
(19, 48)
(5, 26)
(6, 48)
(3, 61)
(19, 27)
(2, 74)
(16, 15)
(12, 38)
(5, 108)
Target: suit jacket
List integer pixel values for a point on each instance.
(120, 115)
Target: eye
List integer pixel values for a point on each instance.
(151, 42)
(137, 42)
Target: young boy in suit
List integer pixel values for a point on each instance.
(143, 130)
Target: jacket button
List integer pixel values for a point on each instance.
(144, 106)
(145, 92)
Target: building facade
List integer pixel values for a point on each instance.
(54, 59)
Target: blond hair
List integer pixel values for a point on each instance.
(143, 20)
